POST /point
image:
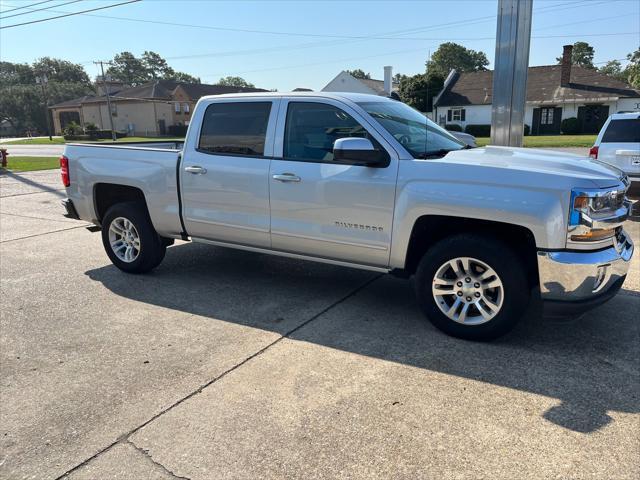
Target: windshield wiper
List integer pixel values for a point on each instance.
(435, 153)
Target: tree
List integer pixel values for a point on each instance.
(156, 66)
(451, 56)
(358, 73)
(235, 82)
(398, 77)
(613, 68)
(418, 91)
(581, 55)
(183, 78)
(632, 70)
(128, 69)
(58, 70)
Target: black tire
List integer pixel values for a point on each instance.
(509, 267)
(152, 247)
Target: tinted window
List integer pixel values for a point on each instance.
(312, 129)
(235, 128)
(623, 131)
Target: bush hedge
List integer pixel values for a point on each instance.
(453, 127)
(177, 130)
(570, 126)
(478, 130)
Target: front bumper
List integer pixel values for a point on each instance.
(575, 281)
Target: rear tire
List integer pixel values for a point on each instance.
(487, 282)
(130, 240)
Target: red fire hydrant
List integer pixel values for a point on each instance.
(4, 155)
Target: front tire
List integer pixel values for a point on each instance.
(472, 286)
(130, 240)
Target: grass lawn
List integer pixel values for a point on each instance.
(61, 141)
(27, 164)
(550, 141)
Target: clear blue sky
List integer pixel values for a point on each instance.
(304, 54)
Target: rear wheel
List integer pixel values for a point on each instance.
(472, 286)
(130, 240)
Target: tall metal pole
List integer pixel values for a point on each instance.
(43, 80)
(513, 36)
(106, 90)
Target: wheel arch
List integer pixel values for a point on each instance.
(105, 195)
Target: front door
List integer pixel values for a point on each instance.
(546, 121)
(323, 208)
(224, 175)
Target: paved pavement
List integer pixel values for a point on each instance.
(34, 150)
(227, 364)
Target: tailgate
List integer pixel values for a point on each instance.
(629, 160)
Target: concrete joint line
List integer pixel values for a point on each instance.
(125, 437)
(42, 234)
(146, 455)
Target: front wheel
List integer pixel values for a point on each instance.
(130, 240)
(472, 286)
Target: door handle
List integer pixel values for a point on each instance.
(196, 170)
(286, 177)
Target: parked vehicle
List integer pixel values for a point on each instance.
(367, 182)
(618, 144)
(465, 138)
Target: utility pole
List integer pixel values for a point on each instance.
(106, 90)
(513, 36)
(42, 80)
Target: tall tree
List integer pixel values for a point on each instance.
(156, 66)
(234, 82)
(582, 55)
(58, 70)
(16, 74)
(359, 73)
(632, 70)
(418, 91)
(451, 55)
(128, 69)
(182, 77)
(613, 68)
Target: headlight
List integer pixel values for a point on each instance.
(596, 215)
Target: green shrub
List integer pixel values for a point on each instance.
(177, 130)
(71, 129)
(570, 126)
(453, 127)
(76, 137)
(91, 129)
(478, 130)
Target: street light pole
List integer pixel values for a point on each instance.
(106, 90)
(43, 81)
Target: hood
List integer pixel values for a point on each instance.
(539, 161)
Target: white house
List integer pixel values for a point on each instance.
(554, 92)
(345, 82)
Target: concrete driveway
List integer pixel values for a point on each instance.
(227, 364)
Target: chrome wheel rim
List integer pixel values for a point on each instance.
(468, 291)
(124, 239)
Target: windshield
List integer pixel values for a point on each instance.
(420, 136)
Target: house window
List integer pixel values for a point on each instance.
(456, 115)
(185, 108)
(114, 110)
(177, 107)
(546, 116)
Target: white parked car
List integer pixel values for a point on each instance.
(618, 144)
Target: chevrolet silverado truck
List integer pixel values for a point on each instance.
(367, 182)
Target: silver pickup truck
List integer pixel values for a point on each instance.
(367, 182)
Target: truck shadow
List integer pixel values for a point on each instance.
(589, 365)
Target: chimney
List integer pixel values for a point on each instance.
(565, 73)
(388, 73)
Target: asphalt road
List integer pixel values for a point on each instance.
(227, 364)
(33, 150)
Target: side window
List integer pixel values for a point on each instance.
(622, 131)
(312, 128)
(235, 128)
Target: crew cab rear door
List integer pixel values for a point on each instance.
(224, 174)
(319, 206)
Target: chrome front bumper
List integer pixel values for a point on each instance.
(582, 276)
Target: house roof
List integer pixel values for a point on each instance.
(543, 86)
(377, 85)
(158, 90)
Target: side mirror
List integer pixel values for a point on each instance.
(359, 151)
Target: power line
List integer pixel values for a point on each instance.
(3, 17)
(69, 14)
(27, 6)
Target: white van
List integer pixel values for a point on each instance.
(618, 144)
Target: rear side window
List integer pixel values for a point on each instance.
(312, 128)
(235, 128)
(622, 131)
